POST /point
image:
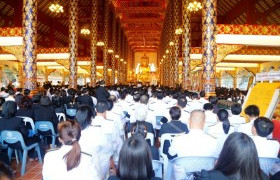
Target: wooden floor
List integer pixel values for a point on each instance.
(33, 171)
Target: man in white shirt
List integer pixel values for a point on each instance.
(263, 127)
(196, 142)
(11, 95)
(185, 114)
(252, 112)
(235, 119)
(195, 104)
(202, 99)
(109, 127)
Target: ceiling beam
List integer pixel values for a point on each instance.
(142, 20)
(160, 10)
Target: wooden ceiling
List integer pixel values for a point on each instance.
(142, 20)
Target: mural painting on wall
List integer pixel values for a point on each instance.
(243, 77)
(9, 75)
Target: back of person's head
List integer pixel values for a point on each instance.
(208, 107)
(85, 91)
(113, 98)
(175, 113)
(194, 96)
(2, 88)
(84, 116)
(139, 129)
(136, 97)
(239, 158)
(45, 101)
(197, 119)
(202, 94)
(25, 102)
(18, 98)
(9, 109)
(110, 104)
(182, 102)
(123, 95)
(263, 126)
(102, 82)
(236, 109)
(11, 92)
(222, 115)
(135, 160)
(101, 107)
(6, 172)
(160, 95)
(26, 92)
(69, 134)
(2, 100)
(252, 111)
(144, 99)
(213, 100)
(36, 99)
(56, 101)
(141, 113)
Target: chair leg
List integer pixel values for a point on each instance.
(23, 164)
(53, 141)
(19, 154)
(10, 151)
(37, 148)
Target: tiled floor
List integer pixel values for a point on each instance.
(33, 171)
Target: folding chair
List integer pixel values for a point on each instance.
(157, 167)
(11, 137)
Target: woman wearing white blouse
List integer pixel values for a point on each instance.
(69, 162)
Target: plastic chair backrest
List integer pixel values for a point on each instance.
(11, 137)
(44, 126)
(157, 167)
(61, 115)
(71, 112)
(266, 164)
(194, 163)
(165, 137)
(158, 121)
(151, 137)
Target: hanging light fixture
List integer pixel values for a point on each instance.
(117, 56)
(55, 7)
(167, 51)
(85, 31)
(178, 31)
(100, 43)
(194, 6)
(121, 60)
(110, 51)
(171, 43)
(164, 56)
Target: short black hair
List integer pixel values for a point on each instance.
(213, 100)
(84, 115)
(101, 107)
(136, 97)
(26, 92)
(202, 93)
(45, 101)
(175, 113)
(194, 95)
(9, 109)
(85, 90)
(11, 92)
(110, 104)
(208, 107)
(252, 111)
(236, 109)
(159, 95)
(2, 88)
(182, 102)
(264, 126)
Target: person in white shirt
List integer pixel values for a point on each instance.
(252, 112)
(93, 140)
(109, 127)
(235, 119)
(151, 118)
(202, 99)
(185, 114)
(134, 104)
(211, 118)
(11, 96)
(196, 142)
(263, 127)
(69, 162)
(195, 104)
(3, 93)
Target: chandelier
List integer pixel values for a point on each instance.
(194, 6)
(85, 31)
(100, 43)
(171, 43)
(55, 7)
(178, 31)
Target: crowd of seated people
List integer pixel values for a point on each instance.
(106, 132)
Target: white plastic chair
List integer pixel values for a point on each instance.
(150, 136)
(165, 160)
(61, 115)
(184, 166)
(29, 120)
(157, 167)
(267, 163)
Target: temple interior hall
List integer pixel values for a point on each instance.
(229, 49)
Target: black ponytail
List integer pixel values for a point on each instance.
(223, 117)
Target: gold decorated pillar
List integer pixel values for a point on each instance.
(168, 52)
(176, 20)
(1, 75)
(29, 44)
(114, 40)
(93, 42)
(105, 48)
(73, 42)
(209, 46)
(20, 74)
(119, 52)
(186, 46)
